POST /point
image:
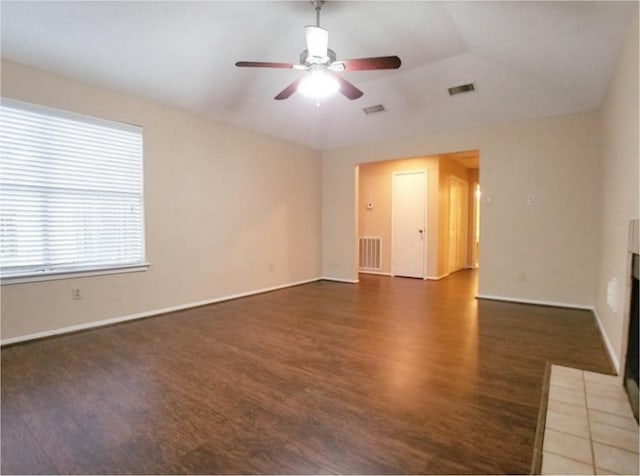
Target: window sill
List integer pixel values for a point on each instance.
(54, 276)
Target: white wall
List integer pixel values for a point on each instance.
(221, 205)
(553, 241)
(618, 185)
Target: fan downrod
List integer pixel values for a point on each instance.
(317, 5)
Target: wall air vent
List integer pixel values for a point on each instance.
(464, 88)
(373, 109)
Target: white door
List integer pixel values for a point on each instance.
(408, 224)
(458, 216)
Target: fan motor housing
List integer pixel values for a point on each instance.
(306, 60)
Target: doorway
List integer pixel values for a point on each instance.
(374, 214)
(408, 220)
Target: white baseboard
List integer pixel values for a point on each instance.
(378, 273)
(340, 280)
(155, 312)
(535, 302)
(607, 342)
(605, 337)
(382, 273)
(437, 278)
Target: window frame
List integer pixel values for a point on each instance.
(86, 270)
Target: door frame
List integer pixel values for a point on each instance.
(475, 231)
(425, 174)
(464, 206)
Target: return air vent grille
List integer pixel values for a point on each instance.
(464, 88)
(370, 253)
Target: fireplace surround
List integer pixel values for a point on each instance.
(630, 369)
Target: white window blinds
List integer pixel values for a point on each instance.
(70, 192)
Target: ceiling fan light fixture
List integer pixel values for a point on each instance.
(318, 84)
(319, 61)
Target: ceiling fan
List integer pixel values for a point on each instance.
(321, 64)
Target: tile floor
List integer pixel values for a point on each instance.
(589, 427)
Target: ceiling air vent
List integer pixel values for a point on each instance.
(465, 88)
(373, 109)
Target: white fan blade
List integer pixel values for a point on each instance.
(317, 41)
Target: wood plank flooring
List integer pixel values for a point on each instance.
(389, 376)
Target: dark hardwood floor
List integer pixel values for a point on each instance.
(389, 376)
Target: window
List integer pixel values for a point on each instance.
(70, 193)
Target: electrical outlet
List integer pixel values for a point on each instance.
(522, 276)
(75, 294)
(531, 199)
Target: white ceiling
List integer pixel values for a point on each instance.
(527, 59)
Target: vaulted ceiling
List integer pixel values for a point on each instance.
(527, 59)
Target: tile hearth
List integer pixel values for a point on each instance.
(590, 428)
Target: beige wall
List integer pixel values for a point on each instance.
(553, 242)
(222, 204)
(376, 186)
(618, 186)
